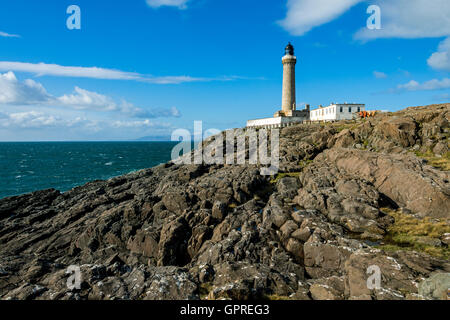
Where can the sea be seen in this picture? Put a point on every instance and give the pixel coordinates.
(30, 166)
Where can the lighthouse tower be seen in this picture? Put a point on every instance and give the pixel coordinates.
(289, 62)
(288, 115)
(288, 103)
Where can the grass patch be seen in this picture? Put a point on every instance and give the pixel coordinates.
(410, 233)
(338, 126)
(441, 163)
(341, 128)
(302, 164)
(280, 176)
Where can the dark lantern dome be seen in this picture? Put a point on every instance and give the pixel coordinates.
(289, 49)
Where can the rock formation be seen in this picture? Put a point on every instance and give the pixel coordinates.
(349, 195)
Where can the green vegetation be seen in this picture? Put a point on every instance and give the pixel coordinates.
(280, 176)
(302, 164)
(410, 233)
(441, 163)
(351, 126)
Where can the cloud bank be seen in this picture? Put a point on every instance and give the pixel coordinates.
(41, 120)
(30, 92)
(434, 84)
(44, 69)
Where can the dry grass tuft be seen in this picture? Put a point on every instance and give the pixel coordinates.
(411, 233)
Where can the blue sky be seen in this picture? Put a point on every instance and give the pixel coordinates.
(147, 67)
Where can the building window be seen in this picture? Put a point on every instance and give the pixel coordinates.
(359, 109)
(342, 109)
(350, 109)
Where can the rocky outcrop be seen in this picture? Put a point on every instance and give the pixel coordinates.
(317, 230)
(392, 175)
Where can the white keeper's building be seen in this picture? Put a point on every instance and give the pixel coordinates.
(336, 112)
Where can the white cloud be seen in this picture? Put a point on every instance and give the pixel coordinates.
(433, 84)
(31, 119)
(84, 99)
(379, 75)
(43, 69)
(440, 60)
(304, 15)
(88, 100)
(180, 4)
(399, 18)
(12, 91)
(40, 120)
(410, 19)
(8, 35)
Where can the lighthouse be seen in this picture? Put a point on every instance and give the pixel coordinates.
(288, 115)
(288, 101)
(289, 62)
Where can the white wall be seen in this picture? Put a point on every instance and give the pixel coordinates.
(333, 112)
(327, 113)
(278, 121)
(263, 122)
